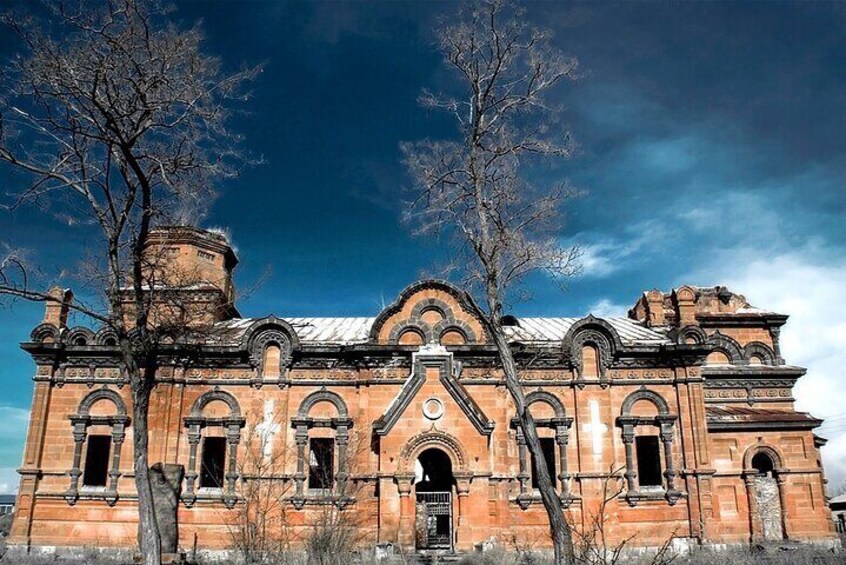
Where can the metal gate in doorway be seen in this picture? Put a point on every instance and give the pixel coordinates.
(433, 523)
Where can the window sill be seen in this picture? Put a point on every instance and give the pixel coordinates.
(92, 493)
(527, 499)
(648, 494)
(315, 498)
(211, 495)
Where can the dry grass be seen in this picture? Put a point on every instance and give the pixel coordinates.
(786, 555)
(794, 555)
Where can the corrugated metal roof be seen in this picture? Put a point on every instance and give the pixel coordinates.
(347, 331)
(332, 330)
(554, 329)
(748, 414)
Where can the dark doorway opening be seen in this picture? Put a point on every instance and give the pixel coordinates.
(548, 449)
(97, 461)
(648, 461)
(214, 458)
(433, 524)
(767, 497)
(763, 464)
(321, 464)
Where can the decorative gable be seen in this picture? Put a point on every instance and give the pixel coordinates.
(433, 356)
(428, 312)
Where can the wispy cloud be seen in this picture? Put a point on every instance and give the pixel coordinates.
(604, 255)
(606, 308)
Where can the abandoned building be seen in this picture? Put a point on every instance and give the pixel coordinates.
(681, 415)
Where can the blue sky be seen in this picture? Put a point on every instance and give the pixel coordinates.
(711, 149)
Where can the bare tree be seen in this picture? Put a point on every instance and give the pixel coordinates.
(475, 189)
(259, 525)
(593, 546)
(119, 120)
(335, 525)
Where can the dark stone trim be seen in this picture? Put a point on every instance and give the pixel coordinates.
(727, 345)
(730, 320)
(409, 291)
(412, 386)
(723, 426)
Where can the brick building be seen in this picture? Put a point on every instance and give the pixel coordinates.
(403, 420)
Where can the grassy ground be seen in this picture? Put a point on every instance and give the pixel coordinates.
(795, 555)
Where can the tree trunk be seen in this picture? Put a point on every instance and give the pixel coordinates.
(148, 531)
(562, 538)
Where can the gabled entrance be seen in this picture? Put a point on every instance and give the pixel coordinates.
(433, 488)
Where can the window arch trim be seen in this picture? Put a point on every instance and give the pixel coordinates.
(196, 423)
(341, 426)
(727, 345)
(665, 422)
(80, 423)
(561, 424)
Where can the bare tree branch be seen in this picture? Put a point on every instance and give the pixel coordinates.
(474, 190)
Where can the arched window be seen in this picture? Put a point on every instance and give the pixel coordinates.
(590, 361)
(322, 435)
(452, 336)
(99, 428)
(214, 433)
(592, 344)
(717, 358)
(411, 337)
(553, 428)
(271, 360)
(648, 432)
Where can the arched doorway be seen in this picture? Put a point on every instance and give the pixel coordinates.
(433, 488)
(767, 497)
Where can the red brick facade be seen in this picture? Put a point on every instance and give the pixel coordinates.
(687, 404)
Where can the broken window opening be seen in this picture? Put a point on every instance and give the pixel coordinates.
(213, 461)
(648, 461)
(548, 448)
(97, 461)
(321, 464)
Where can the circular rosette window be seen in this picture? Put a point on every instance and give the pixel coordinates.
(433, 409)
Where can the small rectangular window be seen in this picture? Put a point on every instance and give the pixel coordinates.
(321, 463)
(213, 462)
(205, 255)
(548, 448)
(97, 461)
(648, 461)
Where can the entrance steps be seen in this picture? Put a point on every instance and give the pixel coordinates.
(437, 556)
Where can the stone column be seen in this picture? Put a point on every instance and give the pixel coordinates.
(407, 508)
(562, 438)
(191, 475)
(342, 439)
(301, 437)
(233, 439)
(666, 424)
(628, 443)
(524, 498)
(464, 522)
(80, 432)
(114, 473)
